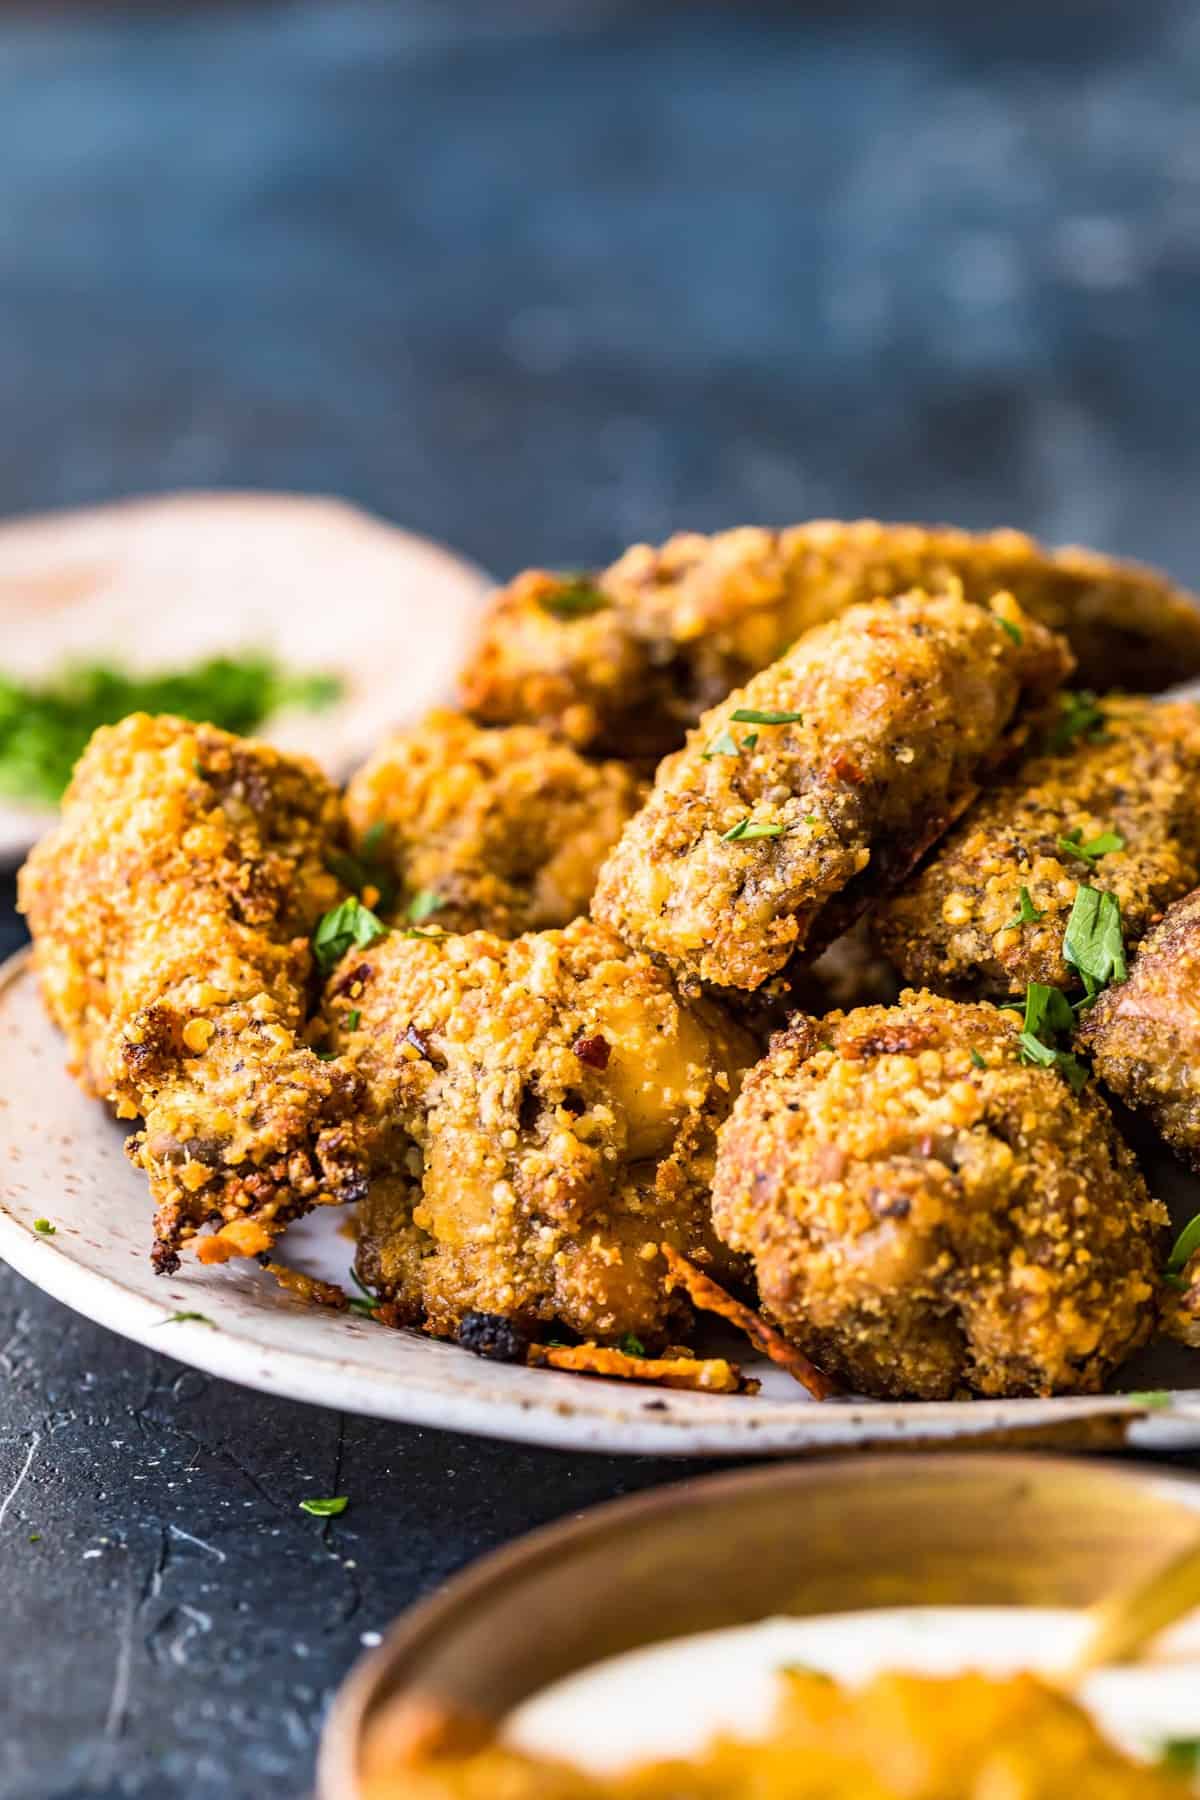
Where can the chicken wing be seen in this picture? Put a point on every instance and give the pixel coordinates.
(1144, 1033)
(171, 912)
(1117, 809)
(497, 830)
(542, 1114)
(927, 1214)
(815, 788)
(629, 659)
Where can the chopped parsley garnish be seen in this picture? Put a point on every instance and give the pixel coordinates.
(414, 931)
(346, 925)
(423, 905)
(183, 1318)
(632, 1345)
(1182, 1754)
(1027, 913)
(368, 1305)
(722, 745)
(574, 599)
(325, 1055)
(1079, 716)
(45, 726)
(369, 868)
(1154, 1400)
(977, 1059)
(352, 1019)
(326, 1509)
(749, 715)
(749, 741)
(1094, 849)
(45, 1227)
(1014, 631)
(1184, 1248)
(1048, 1016)
(751, 828)
(1093, 943)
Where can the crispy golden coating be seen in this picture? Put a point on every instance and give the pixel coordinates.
(760, 840)
(676, 628)
(924, 1225)
(898, 1737)
(170, 913)
(1144, 1034)
(542, 1113)
(956, 925)
(506, 828)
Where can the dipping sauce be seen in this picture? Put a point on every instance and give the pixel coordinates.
(671, 1699)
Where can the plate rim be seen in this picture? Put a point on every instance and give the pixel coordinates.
(577, 1412)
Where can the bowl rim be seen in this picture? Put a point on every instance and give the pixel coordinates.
(509, 1564)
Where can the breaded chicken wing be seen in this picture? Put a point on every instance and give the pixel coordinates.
(927, 1214)
(170, 913)
(542, 1114)
(497, 830)
(814, 789)
(988, 911)
(629, 659)
(1144, 1034)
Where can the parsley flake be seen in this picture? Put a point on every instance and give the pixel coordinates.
(722, 745)
(1093, 942)
(422, 906)
(1182, 1754)
(751, 828)
(1079, 717)
(1094, 849)
(632, 1345)
(750, 715)
(1014, 631)
(574, 598)
(352, 1019)
(1027, 913)
(183, 1318)
(1184, 1247)
(346, 925)
(45, 1227)
(976, 1059)
(1154, 1400)
(326, 1509)
(1048, 1015)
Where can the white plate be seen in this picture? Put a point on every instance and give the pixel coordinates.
(61, 1159)
(156, 584)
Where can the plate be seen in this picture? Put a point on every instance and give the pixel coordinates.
(162, 583)
(61, 1159)
(841, 1536)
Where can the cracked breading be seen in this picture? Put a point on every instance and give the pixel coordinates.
(955, 925)
(738, 862)
(506, 829)
(1144, 1034)
(542, 1113)
(170, 913)
(922, 1225)
(679, 626)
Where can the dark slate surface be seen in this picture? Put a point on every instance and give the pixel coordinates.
(539, 279)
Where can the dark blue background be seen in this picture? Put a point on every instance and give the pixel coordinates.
(538, 280)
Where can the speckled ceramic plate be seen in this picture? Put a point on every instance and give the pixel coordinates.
(163, 583)
(61, 1160)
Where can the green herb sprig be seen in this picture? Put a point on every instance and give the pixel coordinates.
(575, 598)
(326, 1509)
(750, 715)
(1093, 943)
(748, 828)
(1078, 717)
(1094, 849)
(343, 926)
(1027, 913)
